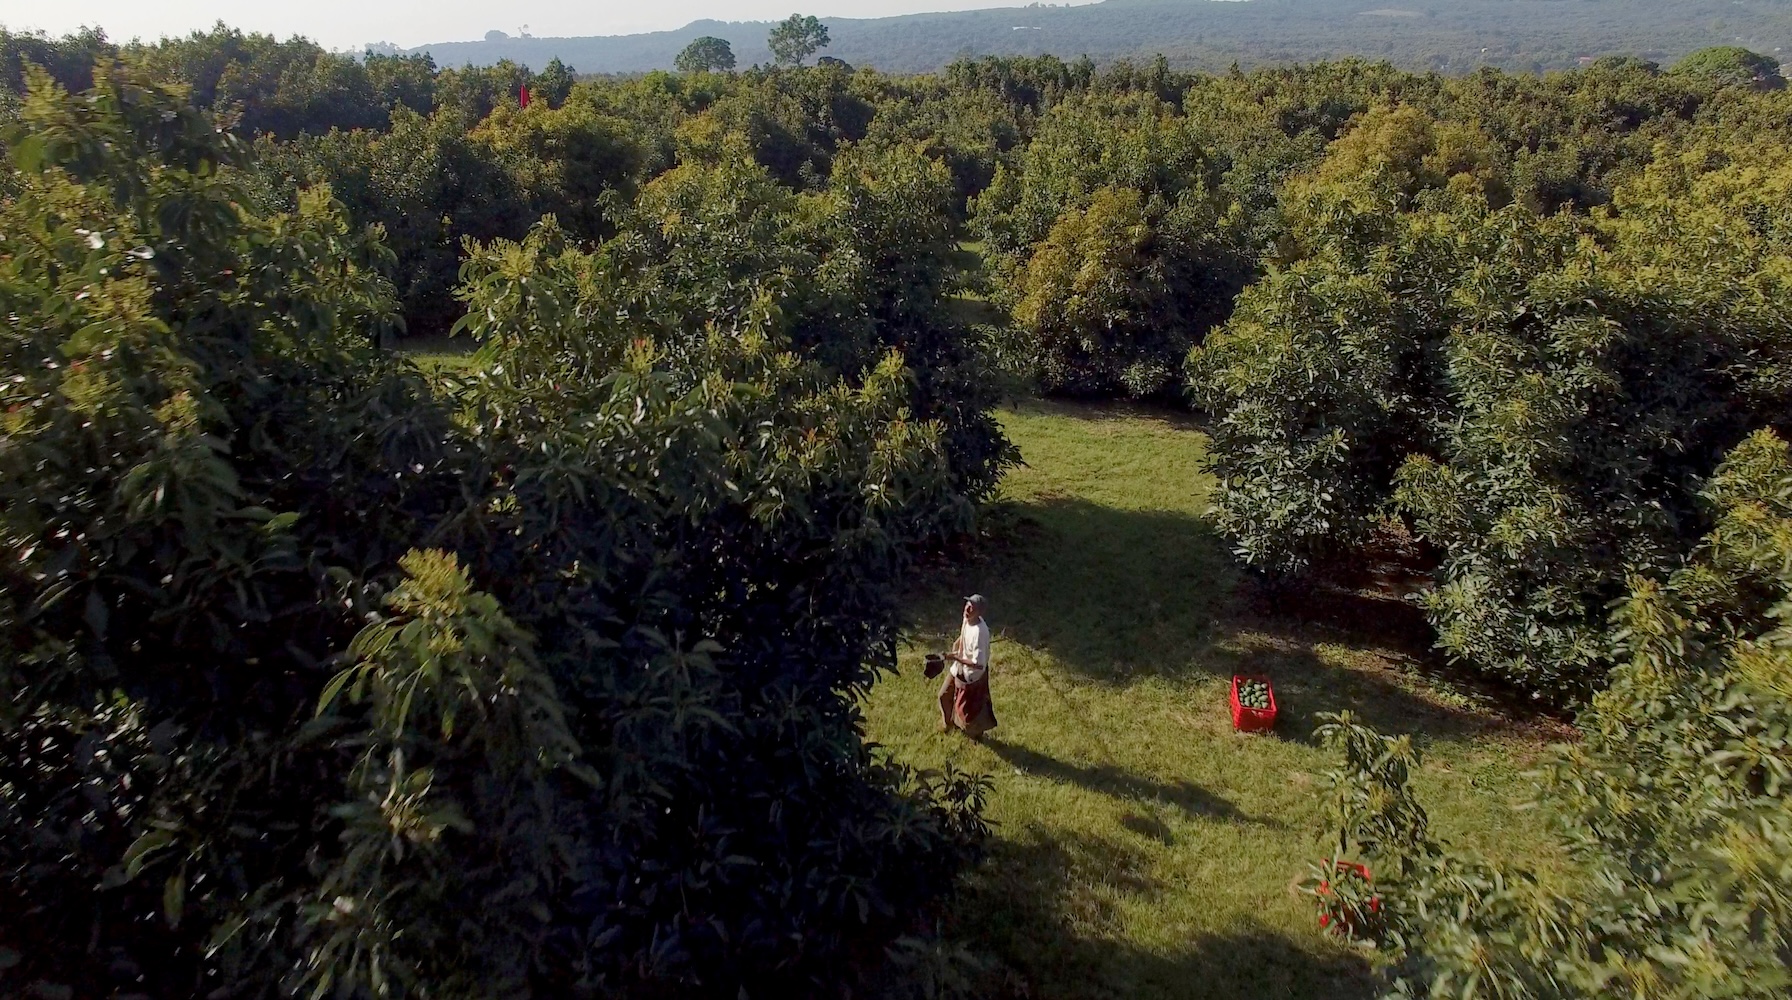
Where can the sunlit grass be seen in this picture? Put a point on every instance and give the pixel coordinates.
(1143, 849)
(439, 354)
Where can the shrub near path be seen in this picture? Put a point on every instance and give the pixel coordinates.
(1142, 848)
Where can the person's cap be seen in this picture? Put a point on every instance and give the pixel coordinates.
(978, 599)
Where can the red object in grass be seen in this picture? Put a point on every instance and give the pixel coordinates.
(1253, 720)
(1345, 924)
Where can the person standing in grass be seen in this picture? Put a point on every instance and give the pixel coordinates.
(964, 696)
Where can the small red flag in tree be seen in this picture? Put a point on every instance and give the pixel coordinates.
(525, 96)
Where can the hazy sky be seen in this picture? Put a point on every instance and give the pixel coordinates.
(352, 23)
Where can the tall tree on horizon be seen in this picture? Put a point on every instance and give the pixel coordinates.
(797, 38)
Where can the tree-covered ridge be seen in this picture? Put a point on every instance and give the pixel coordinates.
(1452, 36)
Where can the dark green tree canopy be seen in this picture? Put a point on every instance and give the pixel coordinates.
(708, 54)
(1733, 64)
(518, 686)
(797, 38)
(554, 83)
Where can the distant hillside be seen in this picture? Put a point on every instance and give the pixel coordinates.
(1448, 35)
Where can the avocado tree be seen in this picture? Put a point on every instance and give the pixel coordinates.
(1676, 803)
(1111, 244)
(1096, 301)
(554, 83)
(797, 38)
(708, 54)
(1732, 64)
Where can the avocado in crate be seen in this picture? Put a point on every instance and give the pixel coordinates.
(1253, 704)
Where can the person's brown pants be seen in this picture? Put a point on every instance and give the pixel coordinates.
(967, 706)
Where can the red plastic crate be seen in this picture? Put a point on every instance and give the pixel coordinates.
(1345, 925)
(1252, 720)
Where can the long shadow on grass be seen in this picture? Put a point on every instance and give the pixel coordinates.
(1115, 595)
(1111, 593)
(1053, 910)
(1107, 779)
(1113, 410)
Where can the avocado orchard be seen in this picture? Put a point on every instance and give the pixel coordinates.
(540, 676)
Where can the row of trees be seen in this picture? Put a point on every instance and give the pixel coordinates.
(1674, 804)
(1551, 134)
(284, 88)
(1222, 168)
(317, 675)
(1539, 397)
(463, 160)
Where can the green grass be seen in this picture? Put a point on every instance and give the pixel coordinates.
(971, 304)
(1142, 848)
(440, 354)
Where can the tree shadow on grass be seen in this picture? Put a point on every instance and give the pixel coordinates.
(1190, 798)
(1112, 593)
(1306, 687)
(1117, 595)
(1050, 908)
(1109, 410)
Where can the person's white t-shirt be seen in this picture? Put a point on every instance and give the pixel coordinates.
(973, 645)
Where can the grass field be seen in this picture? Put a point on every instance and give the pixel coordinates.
(1142, 848)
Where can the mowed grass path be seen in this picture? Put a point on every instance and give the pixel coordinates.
(1142, 848)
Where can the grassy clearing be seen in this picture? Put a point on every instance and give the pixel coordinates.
(971, 303)
(440, 354)
(1144, 849)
